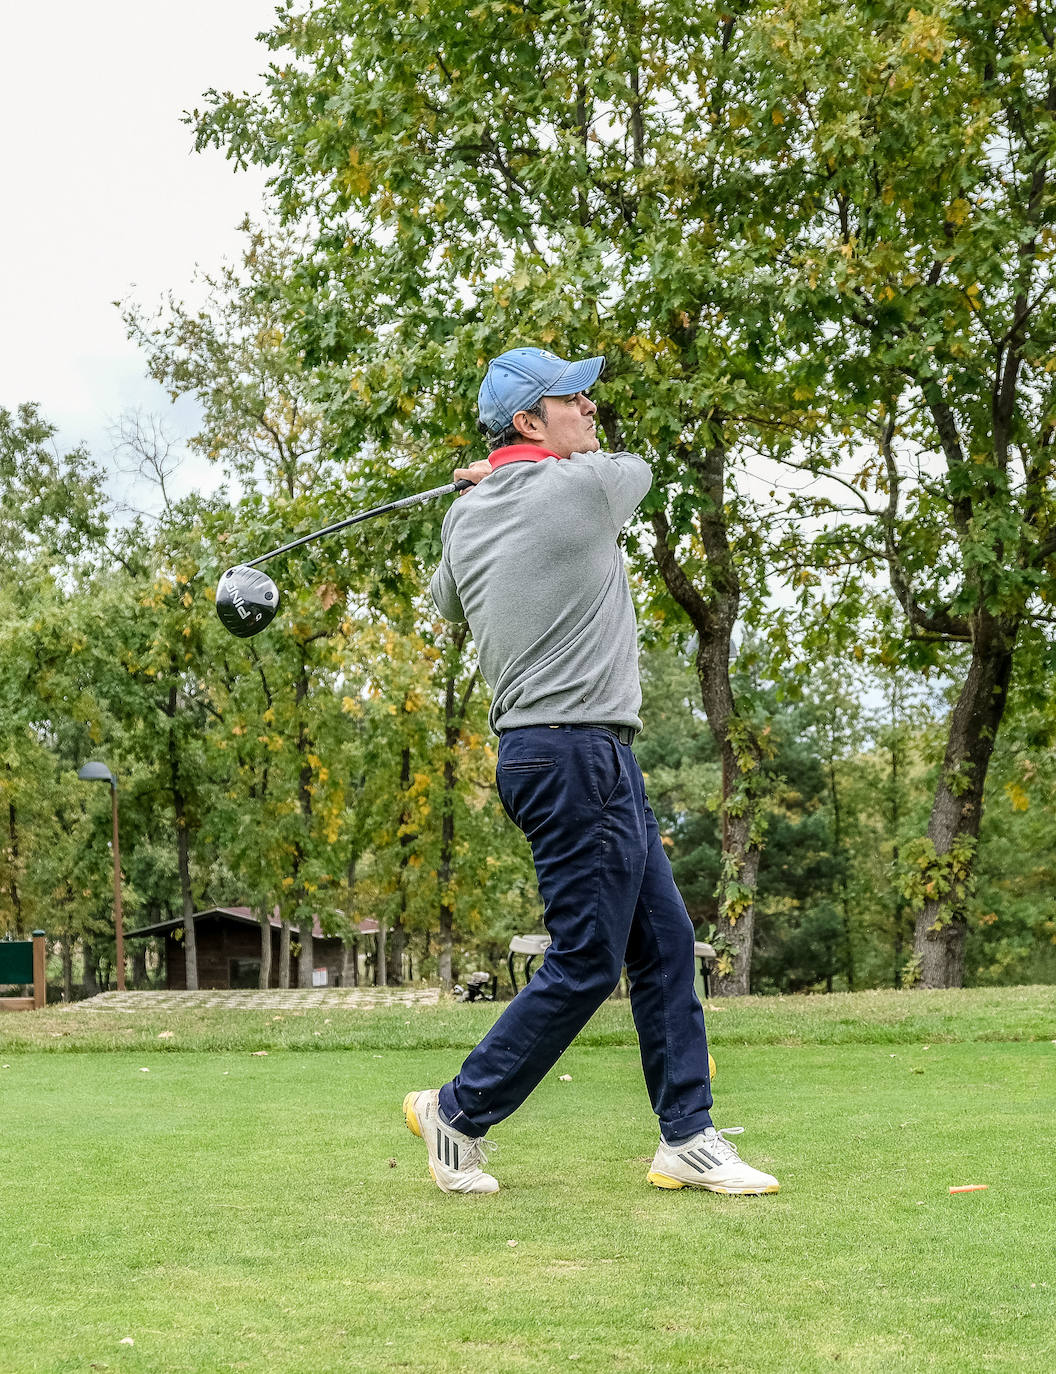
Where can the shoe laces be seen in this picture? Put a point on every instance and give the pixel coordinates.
(477, 1155)
(718, 1144)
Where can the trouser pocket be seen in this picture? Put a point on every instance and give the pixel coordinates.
(606, 765)
(514, 777)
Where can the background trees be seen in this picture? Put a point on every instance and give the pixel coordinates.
(814, 245)
(913, 155)
(475, 185)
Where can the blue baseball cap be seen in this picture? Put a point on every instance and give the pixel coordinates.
(518, 378)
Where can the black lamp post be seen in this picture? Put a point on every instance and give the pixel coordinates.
(98, 772)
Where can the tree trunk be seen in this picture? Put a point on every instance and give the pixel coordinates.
(713, 613)
(444, 966)
(898, 915)
(16, 900)
(845, 903)
(443, 873)
(183, 857)
(350, 966)
(394, 948)
(381, 959)
(284, 954)
(190, 944)
(453, 718)
(67, 968)
(957, 810)
(350, 959)
(264, 981)
(139, 967)
(736, 917)
(397, 941)
(91, 972)
(306, 958)
(741, 770)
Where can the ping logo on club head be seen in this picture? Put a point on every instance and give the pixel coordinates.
(239, 603)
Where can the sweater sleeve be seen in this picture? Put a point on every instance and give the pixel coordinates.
(445, 593)
(625, 478)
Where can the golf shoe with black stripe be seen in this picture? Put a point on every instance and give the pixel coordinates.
(708, 1160)
(454, 1158)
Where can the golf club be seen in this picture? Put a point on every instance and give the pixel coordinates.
(247, 600)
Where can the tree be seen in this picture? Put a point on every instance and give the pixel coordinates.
(51, 518)
(804, 935)
(521, 179)
(904, 163)
(51, 504)
(355, 632)
(1012, 919)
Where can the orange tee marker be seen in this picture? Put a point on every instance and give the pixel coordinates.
(971, 1188)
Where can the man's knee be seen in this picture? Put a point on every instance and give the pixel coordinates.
(605, 974)
(665, 941)
(593, 973)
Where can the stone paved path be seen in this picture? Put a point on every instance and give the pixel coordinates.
(254, 999)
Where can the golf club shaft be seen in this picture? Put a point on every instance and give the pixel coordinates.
(363, 515)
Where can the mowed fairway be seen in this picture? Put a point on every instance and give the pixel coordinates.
(271, 1213)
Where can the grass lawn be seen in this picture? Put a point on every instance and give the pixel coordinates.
(271, 1213)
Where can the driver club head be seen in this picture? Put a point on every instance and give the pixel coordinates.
(246, 601)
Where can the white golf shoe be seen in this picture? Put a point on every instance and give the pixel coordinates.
(454, 1159)
(708, 1160)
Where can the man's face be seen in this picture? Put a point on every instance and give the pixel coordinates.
(569, 425)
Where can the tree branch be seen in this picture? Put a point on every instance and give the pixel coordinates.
(676, 580)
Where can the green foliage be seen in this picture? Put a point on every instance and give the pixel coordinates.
(790, 229)
(927, 875)
(814, 244)
(50, 503)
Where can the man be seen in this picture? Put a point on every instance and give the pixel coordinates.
(531, 560)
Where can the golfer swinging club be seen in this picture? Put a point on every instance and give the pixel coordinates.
(531, 561)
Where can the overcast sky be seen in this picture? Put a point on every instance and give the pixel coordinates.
(105, 196)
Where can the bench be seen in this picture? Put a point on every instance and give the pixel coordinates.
(706, 954)
(533, 946)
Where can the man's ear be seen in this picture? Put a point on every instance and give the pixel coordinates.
(528, 425)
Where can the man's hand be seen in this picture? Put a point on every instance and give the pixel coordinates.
(476, 472)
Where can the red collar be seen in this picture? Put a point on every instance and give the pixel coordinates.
(520, 453)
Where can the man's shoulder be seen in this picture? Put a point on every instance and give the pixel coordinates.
(615, 470)
(605, 459)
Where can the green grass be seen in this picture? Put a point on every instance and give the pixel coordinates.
(895, 1018)
(271, 1213)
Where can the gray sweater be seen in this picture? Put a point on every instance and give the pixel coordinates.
(531, 561)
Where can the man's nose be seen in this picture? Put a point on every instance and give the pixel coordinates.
(587, 406)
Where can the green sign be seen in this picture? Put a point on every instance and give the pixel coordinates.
(16, 961)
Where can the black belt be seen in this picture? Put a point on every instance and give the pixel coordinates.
(624, 733)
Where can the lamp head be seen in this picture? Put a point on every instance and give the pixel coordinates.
(96, 772)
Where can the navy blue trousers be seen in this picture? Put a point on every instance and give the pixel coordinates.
(609, 899)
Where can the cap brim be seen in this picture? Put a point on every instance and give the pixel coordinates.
(576, 377)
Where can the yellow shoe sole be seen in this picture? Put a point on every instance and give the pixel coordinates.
(409, 1115)
(414, 1125)
(664, 1181)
